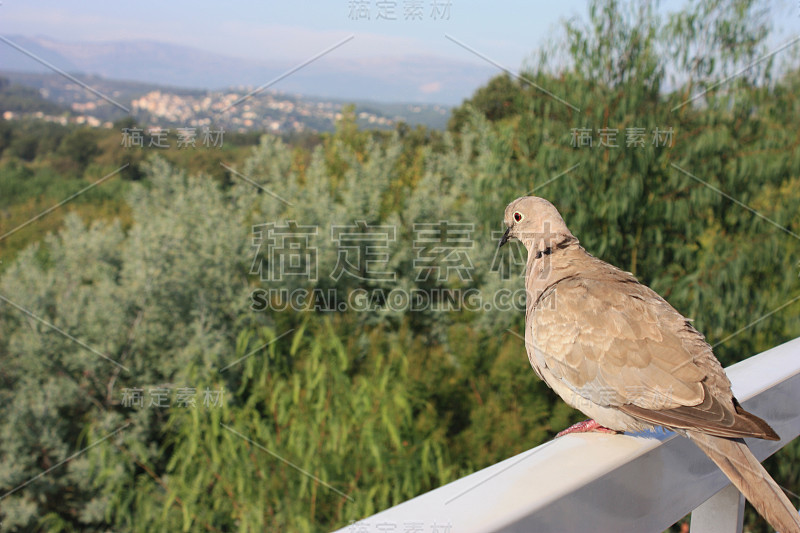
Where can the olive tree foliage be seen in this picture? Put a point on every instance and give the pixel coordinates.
(96, 310)
(367, 196)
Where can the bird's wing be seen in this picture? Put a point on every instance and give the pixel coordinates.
(618, 344)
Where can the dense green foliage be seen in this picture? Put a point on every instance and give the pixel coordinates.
(21, 99)
(42, 163)
(381, 405)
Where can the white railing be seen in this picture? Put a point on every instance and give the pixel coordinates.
(600, 482)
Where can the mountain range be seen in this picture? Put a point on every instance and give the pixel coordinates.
(410, 79)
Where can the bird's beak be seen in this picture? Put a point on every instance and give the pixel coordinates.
(505, 237)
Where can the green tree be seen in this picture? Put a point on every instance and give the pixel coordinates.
(499, 99)
(80, 146)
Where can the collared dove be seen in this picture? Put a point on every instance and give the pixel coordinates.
(617, 351)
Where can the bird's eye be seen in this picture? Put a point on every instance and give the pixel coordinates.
(518, 216)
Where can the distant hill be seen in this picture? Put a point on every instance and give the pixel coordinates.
(18, 98)
(62, 91)
(163, 106)
(427, 79)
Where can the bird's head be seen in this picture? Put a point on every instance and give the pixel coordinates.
(536, 223)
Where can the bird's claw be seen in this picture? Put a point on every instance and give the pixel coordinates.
(585, 427)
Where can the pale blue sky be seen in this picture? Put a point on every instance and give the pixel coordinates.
(292, 31)
(295, 30)
(507, 31)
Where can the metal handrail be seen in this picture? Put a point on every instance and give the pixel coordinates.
(600, 482)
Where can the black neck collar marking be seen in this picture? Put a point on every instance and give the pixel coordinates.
(560, 245)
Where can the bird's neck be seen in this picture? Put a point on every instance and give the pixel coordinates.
(550, 262)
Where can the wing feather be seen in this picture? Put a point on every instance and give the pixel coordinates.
(617, 343)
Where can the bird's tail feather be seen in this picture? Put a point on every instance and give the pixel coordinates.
(736, 460)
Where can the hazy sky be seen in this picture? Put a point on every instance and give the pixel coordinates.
(295, 30)
(292, 31)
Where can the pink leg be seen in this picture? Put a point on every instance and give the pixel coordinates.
(585, 427)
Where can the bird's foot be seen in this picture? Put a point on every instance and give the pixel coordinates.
(585, 427)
